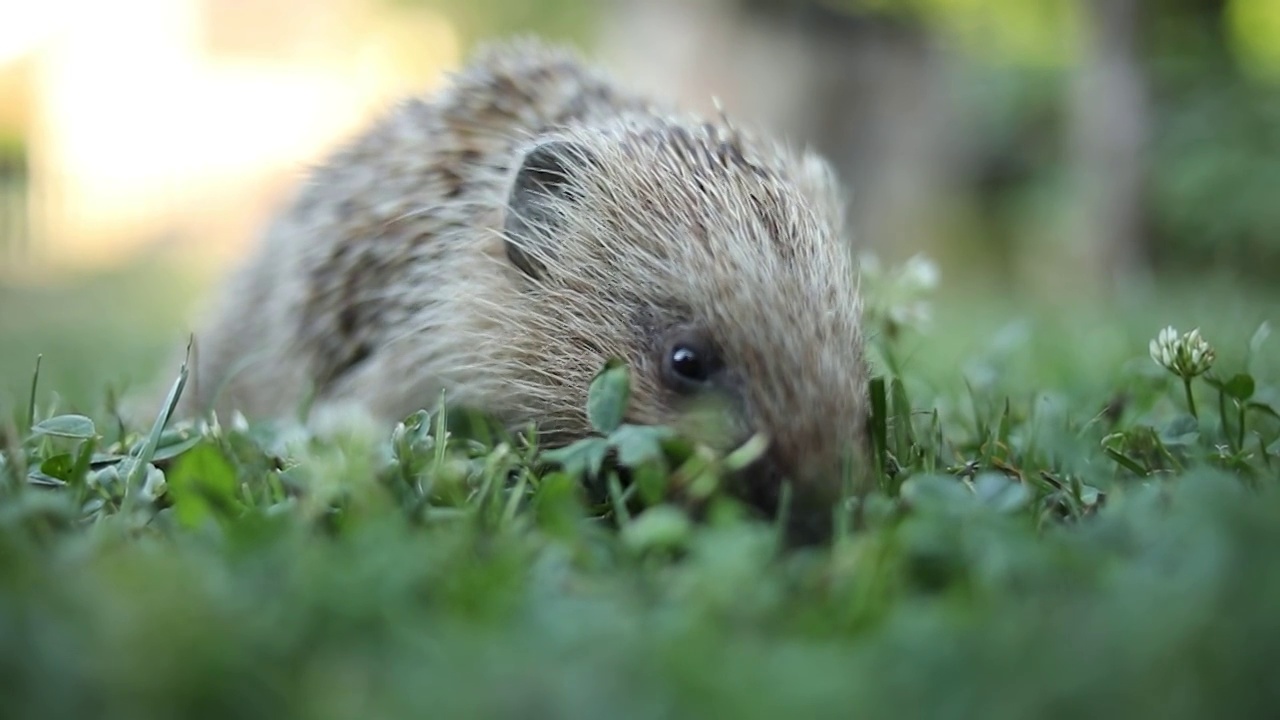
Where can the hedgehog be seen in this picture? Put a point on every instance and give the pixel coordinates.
(498, 241)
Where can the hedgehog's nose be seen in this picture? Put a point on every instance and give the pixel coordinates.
(809, 519)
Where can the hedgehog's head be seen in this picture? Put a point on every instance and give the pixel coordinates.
(718, 271)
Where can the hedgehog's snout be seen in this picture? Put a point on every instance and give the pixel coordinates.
(809, 514)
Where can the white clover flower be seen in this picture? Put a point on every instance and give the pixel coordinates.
(910, 313)
(104, 478)
(920, 273)
(209, 427)
(898, 297)
(1186, 356)
(154, 485)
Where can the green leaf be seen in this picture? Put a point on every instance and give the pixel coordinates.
(1240, 386)
(84, 461)
(1183, 430)
(139, 460)
(1091, 495)
(59, 466)
(556, 506)
(1000, 493)
(1132, 466)
(166, 452)
(608, 396)
(936, 492)
(750, 451)
(31, 400)
(585, 456)
(202, 482)
(39, 512)
(75, 427)
(638, 444)
(1264, 408)
(678, 449)
(1002, 431)
(878, 509)
(699, 475)
(419, 426)
(661, 527)
(902, 430)
(879, 420)
(38, 477)
(651, 481)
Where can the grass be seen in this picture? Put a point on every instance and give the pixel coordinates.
(1052, 535)
(106, 330)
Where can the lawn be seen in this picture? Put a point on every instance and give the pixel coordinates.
(96, 331)
(1053, 535)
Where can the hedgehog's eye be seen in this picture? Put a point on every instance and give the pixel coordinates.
(688, 365)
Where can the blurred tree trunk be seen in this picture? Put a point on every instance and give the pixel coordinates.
(861, 88)
(874, 110)
(1110, 126)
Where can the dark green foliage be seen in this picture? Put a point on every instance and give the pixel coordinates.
(1019, 557)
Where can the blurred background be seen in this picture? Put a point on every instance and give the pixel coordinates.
(1045, 153)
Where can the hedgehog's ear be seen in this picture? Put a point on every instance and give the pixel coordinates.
(545, 177)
